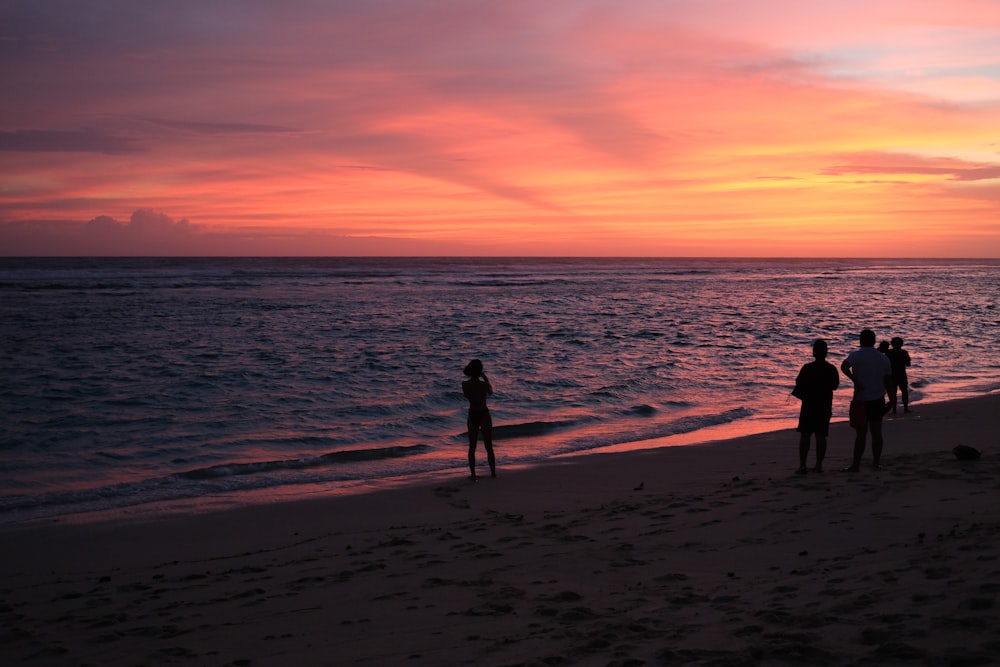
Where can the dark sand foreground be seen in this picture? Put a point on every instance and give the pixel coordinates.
(698, 555)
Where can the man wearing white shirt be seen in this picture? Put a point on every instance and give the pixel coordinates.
(871, 373)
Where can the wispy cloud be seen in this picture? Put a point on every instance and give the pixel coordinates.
(218, 127)
(901, 164)
(66, 141)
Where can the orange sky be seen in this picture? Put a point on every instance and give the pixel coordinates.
(472, 127)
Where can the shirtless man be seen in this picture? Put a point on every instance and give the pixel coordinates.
(814, 386)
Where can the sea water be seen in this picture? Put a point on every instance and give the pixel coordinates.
(131, 384)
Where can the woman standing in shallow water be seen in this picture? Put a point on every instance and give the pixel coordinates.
(477, 388)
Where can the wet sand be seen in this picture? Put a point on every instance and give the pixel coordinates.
(713, 554)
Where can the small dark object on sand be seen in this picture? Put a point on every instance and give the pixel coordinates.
(966, 453)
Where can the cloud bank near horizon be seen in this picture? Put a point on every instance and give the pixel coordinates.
(149, 233)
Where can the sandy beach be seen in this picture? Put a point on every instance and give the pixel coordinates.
(714, 554)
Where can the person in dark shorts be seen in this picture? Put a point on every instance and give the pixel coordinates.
(871, 373)
(477, 388)
(899, 359)
(814, 386)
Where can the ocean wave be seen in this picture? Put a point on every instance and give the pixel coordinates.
(689, 424)
(332, 458)
(190, 484)
(496, 283)
(533, 429)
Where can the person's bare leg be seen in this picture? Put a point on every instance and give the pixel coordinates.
(473, 436)
(859, 450)
(876, 427)
(820, 451)
(488, 443)
(492, 459)
(803, 452)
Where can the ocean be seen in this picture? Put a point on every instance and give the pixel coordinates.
(140, 386)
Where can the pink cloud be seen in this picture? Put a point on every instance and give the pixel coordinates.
(65, 141)
(894, 163)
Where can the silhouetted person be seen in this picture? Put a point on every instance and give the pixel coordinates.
(814, 386)
(477, 388)
(871, 373)
(899, 359)
(883, 347)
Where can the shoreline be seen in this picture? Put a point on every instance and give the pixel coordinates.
(724, 437)
(306, 492)
(713, 553)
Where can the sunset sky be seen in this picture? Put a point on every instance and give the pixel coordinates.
(847, 128)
